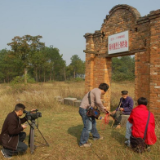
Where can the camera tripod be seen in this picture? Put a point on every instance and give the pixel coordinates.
(31, 137)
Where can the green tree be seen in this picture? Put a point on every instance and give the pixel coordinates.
(48, 64)
(123, 68)
(23, 49)
(9, 67)
(77, 66)
(56, 63)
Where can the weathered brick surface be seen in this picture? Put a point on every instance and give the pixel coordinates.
(144, 42)
(155, 62)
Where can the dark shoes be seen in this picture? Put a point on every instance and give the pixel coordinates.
(5, 155)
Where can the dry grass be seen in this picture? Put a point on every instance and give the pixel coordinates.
(61, 125)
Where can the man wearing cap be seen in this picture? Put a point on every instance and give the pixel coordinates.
(124, 108)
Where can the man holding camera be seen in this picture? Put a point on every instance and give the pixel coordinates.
(12, 136)
(90, 122)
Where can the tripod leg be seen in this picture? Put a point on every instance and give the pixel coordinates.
(43, 137)
(32, 138)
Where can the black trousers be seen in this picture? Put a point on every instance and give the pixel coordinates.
(21, 148)
(117, 116)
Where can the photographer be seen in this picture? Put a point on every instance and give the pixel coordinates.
(12, 136)
(89, 122)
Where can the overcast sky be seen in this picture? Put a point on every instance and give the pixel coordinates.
(62, 23)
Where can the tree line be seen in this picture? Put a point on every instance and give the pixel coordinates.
(29, 60)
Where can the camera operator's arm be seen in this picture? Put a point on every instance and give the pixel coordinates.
(23, 120)
(13, 128)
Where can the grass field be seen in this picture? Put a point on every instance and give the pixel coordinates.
(61, 125)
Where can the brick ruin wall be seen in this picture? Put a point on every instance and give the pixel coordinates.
(144, 43)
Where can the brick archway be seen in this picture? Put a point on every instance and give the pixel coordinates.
(144, 43)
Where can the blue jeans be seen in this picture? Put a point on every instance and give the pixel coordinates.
(128, 132)
(89, 126)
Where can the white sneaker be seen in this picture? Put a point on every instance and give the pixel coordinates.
(5, 155)
(86, 145)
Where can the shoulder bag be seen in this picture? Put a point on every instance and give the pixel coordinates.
(92, 111)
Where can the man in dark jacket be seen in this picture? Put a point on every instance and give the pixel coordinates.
(12, 136)
(125, 107)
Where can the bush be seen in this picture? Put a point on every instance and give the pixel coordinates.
(17, 80)
(20, 79)
(78, 79)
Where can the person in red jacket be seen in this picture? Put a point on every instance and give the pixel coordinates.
(137, 122)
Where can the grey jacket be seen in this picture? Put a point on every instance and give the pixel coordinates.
(95, 95)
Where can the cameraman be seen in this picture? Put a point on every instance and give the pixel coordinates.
(12, 136)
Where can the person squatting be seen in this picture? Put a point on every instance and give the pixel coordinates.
(136, 124)
(12, 135)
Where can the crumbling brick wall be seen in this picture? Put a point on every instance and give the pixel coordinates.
(144, 43)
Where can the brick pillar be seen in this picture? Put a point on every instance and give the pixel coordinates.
(107, 79)
(142, 75)
(155, 65)
(102, 74)
(89, 63)
(89, 72)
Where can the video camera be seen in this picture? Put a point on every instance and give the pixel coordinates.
(32, 115)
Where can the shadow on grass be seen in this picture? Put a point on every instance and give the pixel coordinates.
(118, 136)
(76, 131)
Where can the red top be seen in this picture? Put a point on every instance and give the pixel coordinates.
(138, 118)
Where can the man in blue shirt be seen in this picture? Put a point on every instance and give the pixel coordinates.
(125, 107)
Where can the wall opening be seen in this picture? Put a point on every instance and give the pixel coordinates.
(122, 78)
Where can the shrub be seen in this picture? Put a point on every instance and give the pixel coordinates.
(20, 79)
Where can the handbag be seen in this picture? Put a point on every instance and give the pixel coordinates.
(92, 111)
(138, 144)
